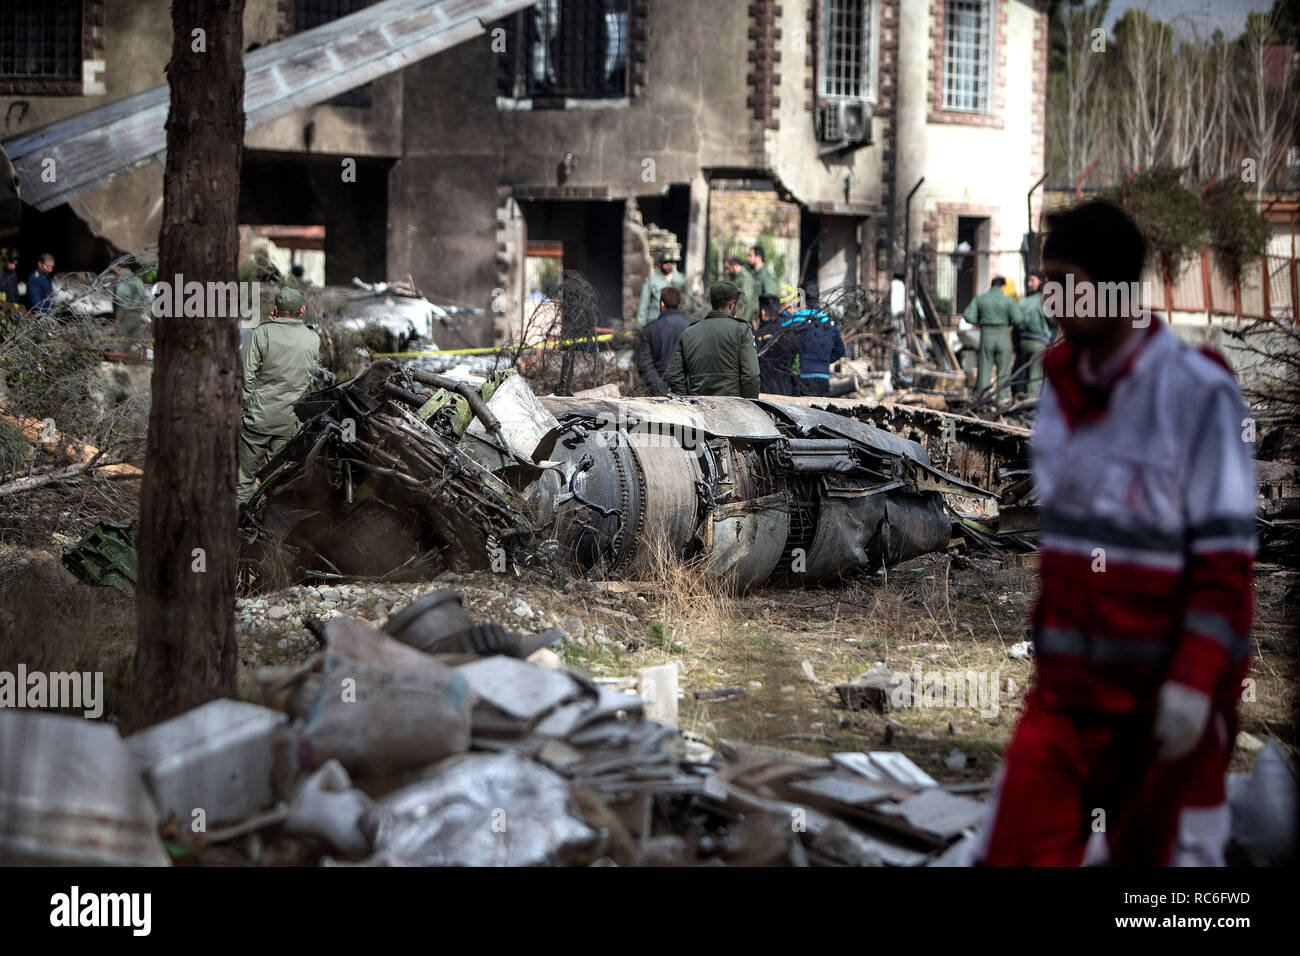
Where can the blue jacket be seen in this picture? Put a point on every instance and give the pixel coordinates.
(39, 288)
(819, 343)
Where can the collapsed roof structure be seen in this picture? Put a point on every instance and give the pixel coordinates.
(93, 147)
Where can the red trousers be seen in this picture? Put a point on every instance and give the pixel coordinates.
(1067, 776)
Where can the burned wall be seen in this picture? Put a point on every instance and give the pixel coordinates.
(592, 234)
(280, 189)
(847, 182)
(688, 114)
(128, 48)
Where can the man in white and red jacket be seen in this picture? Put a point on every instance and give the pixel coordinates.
(1142, 458)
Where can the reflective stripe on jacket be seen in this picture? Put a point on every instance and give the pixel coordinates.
(1147, 529)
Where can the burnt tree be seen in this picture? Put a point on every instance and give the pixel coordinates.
(187, 546)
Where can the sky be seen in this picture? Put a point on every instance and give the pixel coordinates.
(1229, 15)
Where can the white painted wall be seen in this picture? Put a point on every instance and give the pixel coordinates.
(969, 164)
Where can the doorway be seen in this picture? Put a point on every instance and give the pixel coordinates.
(588, 235)
(972, 235)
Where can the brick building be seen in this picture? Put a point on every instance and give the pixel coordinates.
(563, 132)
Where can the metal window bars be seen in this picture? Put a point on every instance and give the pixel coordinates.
(570, 48)
(967, 55)
(845, 69)
(40, 39)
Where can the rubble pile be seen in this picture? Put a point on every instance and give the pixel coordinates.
(443, 741)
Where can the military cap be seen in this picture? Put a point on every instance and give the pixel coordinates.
(288, 301)
(723, 290)
(667, 256)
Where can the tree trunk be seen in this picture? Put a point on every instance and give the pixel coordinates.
(185, 599)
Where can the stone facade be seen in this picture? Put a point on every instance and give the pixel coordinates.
(938, 114)
(460, 179)
(1001, 151)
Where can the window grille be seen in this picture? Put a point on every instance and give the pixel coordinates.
(40, 40)
(568, 48)
(846, 60)
(967, 56)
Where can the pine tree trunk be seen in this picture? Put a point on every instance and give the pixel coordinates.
(187, 544)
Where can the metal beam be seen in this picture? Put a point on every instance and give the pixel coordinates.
(90, 149)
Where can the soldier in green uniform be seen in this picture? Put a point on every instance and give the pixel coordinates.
(280, 358)
(655, 283)
(717, 355)
(130, 303)
(757, 280)
(764, 278)
(733, 270)
(1037, 329)
(994, 312)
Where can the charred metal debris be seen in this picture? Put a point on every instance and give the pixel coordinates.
(400, 471)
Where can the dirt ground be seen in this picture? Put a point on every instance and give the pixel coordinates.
(946, 614)
(782, 650)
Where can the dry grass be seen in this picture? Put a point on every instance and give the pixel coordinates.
(939, 614)
(911, 618)
(50, 621)
(1274, 657)
(936, 613)
(689, 595)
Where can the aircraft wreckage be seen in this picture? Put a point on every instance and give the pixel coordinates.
(399, 471)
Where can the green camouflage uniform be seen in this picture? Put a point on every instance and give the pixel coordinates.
(994, 313)
(1036, 331)
(280, 358)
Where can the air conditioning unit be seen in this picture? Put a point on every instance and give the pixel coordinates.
(843, 124)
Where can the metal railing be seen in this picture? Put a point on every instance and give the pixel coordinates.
(954, 278)
(1268, 288)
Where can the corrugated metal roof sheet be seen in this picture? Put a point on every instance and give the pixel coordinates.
(91, 148)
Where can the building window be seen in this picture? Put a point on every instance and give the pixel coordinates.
(847, 52)
(967, 55)
(41, 46)
(560, 49)
(308, 14)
